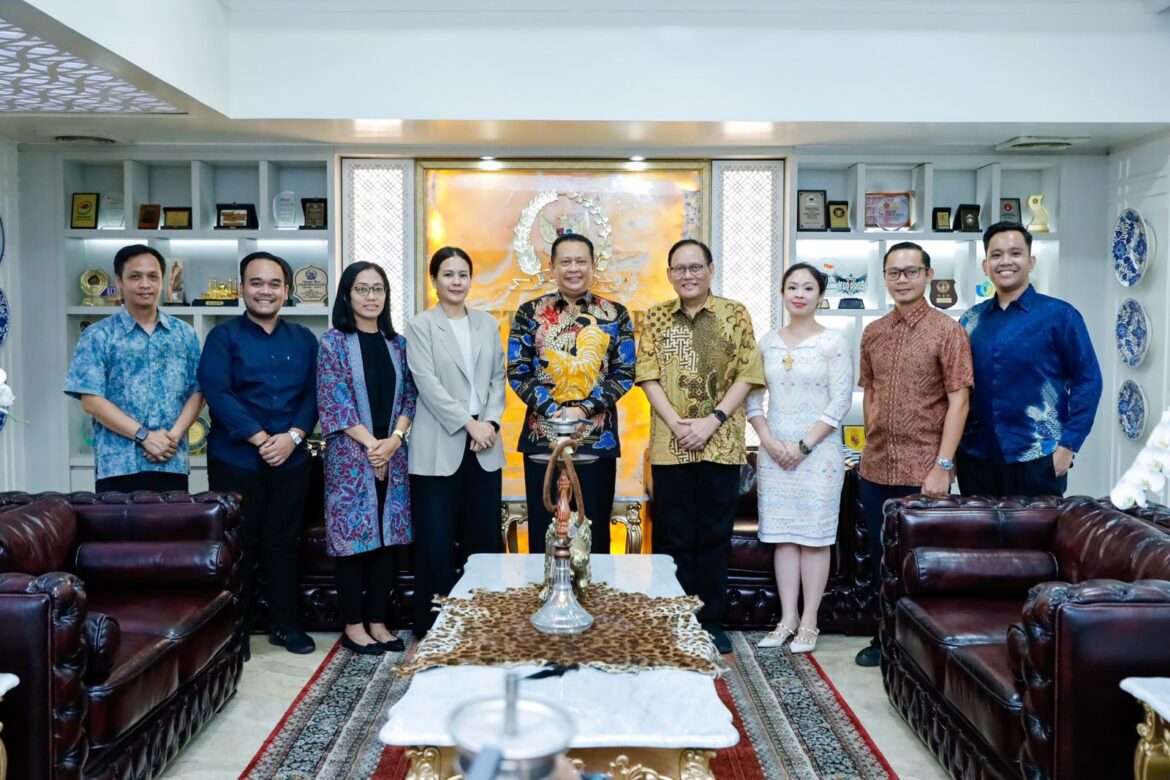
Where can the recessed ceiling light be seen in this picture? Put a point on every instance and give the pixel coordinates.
(487, 157)
(637, 158)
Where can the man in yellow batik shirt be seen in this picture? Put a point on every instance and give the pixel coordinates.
(697, 361)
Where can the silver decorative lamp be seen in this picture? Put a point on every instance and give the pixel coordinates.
(561, 612)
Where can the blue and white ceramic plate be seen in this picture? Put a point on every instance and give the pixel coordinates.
(1132, 332)
(4, 315)
(1131, 247)
(1131, 409)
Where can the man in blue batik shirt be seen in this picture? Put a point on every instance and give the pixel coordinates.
(259, 373)
(1037, 381)
(134, 372)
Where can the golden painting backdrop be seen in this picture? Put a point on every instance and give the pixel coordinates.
(506, 215)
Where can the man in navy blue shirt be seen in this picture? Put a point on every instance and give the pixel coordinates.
(261, 387)
(1037, 381)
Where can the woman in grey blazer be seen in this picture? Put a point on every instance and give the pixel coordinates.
(455, 356)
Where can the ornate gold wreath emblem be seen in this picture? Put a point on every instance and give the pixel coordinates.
(592, 223)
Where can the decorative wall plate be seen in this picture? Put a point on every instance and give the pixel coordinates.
(1131, 409)
(1131, 247)
(1132, 332)
(4, 316)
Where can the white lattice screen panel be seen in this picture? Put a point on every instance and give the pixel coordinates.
(747, 237)
(376, 217)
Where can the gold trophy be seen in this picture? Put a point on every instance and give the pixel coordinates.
(220, 292)
(1039, 223)
(95, 283)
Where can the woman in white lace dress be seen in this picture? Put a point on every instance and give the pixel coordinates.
(809, 370)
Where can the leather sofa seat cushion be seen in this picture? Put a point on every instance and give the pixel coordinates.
(958, 571)
(145, 674)
(179, 616)
(928, 628)
(37, 538)
(154, 564)
(979, 685)
(748, 554)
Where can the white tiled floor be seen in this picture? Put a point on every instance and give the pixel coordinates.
(273, 678)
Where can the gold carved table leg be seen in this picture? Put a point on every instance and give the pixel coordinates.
(431, 763)
(632, 520)
(1151, 760)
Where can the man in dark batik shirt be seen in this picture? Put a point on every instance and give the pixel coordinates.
(571, 354)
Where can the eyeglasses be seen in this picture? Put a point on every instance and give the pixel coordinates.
(365, 290)
(911, 273)
(680, 271)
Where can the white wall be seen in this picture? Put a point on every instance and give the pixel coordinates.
(12, 438)
(1139, 177)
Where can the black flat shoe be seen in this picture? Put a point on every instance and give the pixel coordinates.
(349, 644)
(395, 645)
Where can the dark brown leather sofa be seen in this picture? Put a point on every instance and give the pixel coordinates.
(1007, 625)
(121, 616)
(850, 602)
(849, 606)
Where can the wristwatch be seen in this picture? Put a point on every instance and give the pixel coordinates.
(296, 437)
(400, 434)
(141, 434)
(944, 464)
(720, 415)
(804, 448)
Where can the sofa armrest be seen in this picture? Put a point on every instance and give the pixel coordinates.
(1070, 652)
(42, 643)
(103, 636)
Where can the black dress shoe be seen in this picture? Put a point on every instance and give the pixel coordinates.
(374, 649)
(870, 655)
(720, 638)
(395, 645)
(292, 639)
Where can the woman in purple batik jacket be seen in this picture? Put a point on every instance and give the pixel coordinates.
(366, 399)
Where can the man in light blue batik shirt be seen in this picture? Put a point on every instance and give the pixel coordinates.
(1037, 381)
(134, 372)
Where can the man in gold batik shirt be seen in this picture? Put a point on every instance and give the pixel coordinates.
(697, 361)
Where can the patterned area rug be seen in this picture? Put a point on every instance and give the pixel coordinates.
(792, 722)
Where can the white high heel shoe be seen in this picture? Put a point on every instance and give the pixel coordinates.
(805, 641)
(779, 635)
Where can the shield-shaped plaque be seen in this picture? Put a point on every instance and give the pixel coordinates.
(942, 293)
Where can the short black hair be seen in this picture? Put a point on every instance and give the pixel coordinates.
(906, 245)
(343, 318)
(1006, 227)
(134, 250)
(446, 253)
(566, 237)
(818, 274)
(285, 268)
(690, 242)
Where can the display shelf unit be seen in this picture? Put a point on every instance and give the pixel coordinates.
(945, 182)
(205, 251)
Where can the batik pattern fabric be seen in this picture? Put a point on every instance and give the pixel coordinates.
(696, 361)
(563, 353)
(352, 524)
(809, 383)
(149, 376)
(1037, 380)
(909, 363)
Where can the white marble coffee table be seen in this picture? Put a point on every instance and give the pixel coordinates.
(670, 721)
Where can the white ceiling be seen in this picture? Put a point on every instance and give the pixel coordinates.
(257, 62)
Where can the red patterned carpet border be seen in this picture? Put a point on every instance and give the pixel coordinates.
(792, 722)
